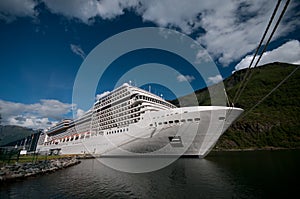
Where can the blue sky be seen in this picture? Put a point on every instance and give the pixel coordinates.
(44, 43)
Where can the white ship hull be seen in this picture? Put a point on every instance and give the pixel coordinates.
(191, 131)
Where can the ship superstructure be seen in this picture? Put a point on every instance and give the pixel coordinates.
(132, 121)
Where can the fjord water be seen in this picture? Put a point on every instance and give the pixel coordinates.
(252, 174)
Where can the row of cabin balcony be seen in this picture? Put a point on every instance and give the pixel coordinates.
(121, 121)
(128, 113)
(120, 113)
(119, 124)
(111, 108)
(118, 117)
(112, 97)
(114, 111)
(65, 135)
(136, 111)
(72, 130)
(158, 101)
(115, 120)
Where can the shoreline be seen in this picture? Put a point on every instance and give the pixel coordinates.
(24, 170)
(254, 149)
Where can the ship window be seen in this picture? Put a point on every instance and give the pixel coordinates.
(189, 120)
(197, 119)
(81, 137)
(176, 121)
(159, 123)
(72, 139)
(170, 122)
(185, 111)
(76, 138)
(165, 122)
(151, 124)
(183, 120)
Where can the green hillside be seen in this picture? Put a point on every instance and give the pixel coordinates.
(275, 122)
(10, 133)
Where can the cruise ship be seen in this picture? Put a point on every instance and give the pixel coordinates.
(130, 121)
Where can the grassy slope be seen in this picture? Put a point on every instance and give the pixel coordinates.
(275, 122)
(10, 133)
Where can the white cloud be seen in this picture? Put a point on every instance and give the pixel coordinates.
(79, 113)
(30, 122)
(109, 9)
(172, 13)
(77, 50)
(288, 52)
(80, 9)
(202, 57)
(215, 79)
(38, 115)
(98, 96)
(10, 9)
(185, 78)
(231, 33)
(232, 28)
(86, 10)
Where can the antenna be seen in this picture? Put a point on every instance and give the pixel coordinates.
(130, 82)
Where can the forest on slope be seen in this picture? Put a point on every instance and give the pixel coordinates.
(274, 123)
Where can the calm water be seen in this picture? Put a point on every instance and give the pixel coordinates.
(260, 174)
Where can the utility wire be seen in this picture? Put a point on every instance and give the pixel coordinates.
(260, 101)
(238, 93)
(266, 45)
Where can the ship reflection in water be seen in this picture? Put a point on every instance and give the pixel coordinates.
(223, 175)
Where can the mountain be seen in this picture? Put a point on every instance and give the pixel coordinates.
(274, 123)
(10, 133)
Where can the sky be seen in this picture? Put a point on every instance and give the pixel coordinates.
(44, 43)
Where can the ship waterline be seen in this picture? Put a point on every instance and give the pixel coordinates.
(132, 122)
